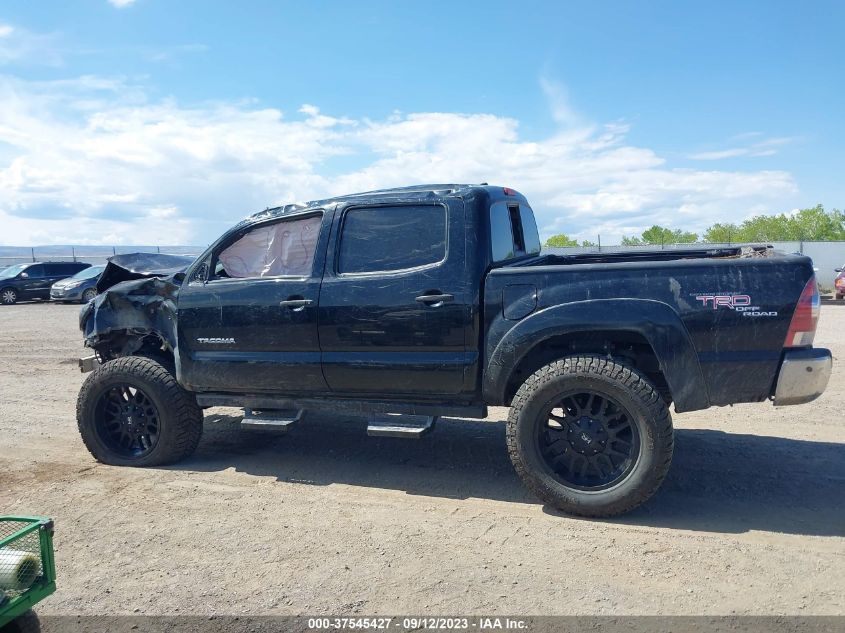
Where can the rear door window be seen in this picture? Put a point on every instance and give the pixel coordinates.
(391, 238)
(56, 270)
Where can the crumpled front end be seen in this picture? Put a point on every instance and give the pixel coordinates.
(123, 316)
(136, 305)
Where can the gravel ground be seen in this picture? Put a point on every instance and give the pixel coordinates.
(751, 519)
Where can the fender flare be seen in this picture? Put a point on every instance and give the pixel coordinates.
(655, 321)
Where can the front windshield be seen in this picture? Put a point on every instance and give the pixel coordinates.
(12, 271)
(93, 271)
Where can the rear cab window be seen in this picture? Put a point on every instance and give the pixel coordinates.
(513, 231)
(392, 238)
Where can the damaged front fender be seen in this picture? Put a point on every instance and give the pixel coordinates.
(132, 310)
(137, 300)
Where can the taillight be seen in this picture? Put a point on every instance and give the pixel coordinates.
(802, 328)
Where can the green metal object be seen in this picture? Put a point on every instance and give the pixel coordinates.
(27, 565)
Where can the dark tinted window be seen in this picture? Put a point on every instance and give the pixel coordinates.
(513, 231)
(516, 228)
(35, 271)
(392, 238)
(529, 230)
(63, 268)
(501, 237)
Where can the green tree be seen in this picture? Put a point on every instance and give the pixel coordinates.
(722, 233)
(588, 243)
(561, 240)
(809, 224)
(661, 235)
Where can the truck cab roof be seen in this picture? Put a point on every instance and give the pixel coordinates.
(409, 193)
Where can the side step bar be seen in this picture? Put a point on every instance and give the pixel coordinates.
(397, 425)
(340, 405)
(278, 419)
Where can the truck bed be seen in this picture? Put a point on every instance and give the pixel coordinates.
(733, 305)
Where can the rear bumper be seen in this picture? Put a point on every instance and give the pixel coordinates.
(803, 376)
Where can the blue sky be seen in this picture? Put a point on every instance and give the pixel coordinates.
(147, 120)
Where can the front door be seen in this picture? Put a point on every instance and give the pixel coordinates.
(394, 306)
(35, 284)
(251, 326)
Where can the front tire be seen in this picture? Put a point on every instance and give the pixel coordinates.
(88, 295)
(590, 436)
(132, 412)
(8, 296)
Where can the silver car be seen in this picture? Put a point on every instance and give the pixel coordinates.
(81, 287)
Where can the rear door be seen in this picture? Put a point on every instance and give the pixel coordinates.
(250, 323)
(56, 272)
(394, 306)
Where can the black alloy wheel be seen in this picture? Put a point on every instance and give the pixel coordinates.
(588, 440)
(127, 421)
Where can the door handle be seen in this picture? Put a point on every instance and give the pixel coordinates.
(435, 300)
(297, 305)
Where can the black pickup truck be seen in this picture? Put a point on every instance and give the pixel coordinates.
(409, 304)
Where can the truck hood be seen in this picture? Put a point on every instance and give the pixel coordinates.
(141, 266)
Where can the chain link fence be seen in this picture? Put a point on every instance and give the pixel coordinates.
(89, 254)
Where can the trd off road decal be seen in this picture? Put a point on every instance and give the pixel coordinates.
(735, 302)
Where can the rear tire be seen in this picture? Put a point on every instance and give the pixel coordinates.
(8, 296)
(132, 412)
(590, 436)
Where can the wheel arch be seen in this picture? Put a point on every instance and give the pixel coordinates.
(648, 334)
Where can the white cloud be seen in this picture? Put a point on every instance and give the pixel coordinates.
(94, 160)
(121, 3)
(766, 147)
(558, 97)
(25, 48)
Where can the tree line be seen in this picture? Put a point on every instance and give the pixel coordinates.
(812, 224)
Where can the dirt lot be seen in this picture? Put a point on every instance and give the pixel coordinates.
(325, 520)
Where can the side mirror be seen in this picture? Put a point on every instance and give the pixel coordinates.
(837, 270)
(24, 275)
